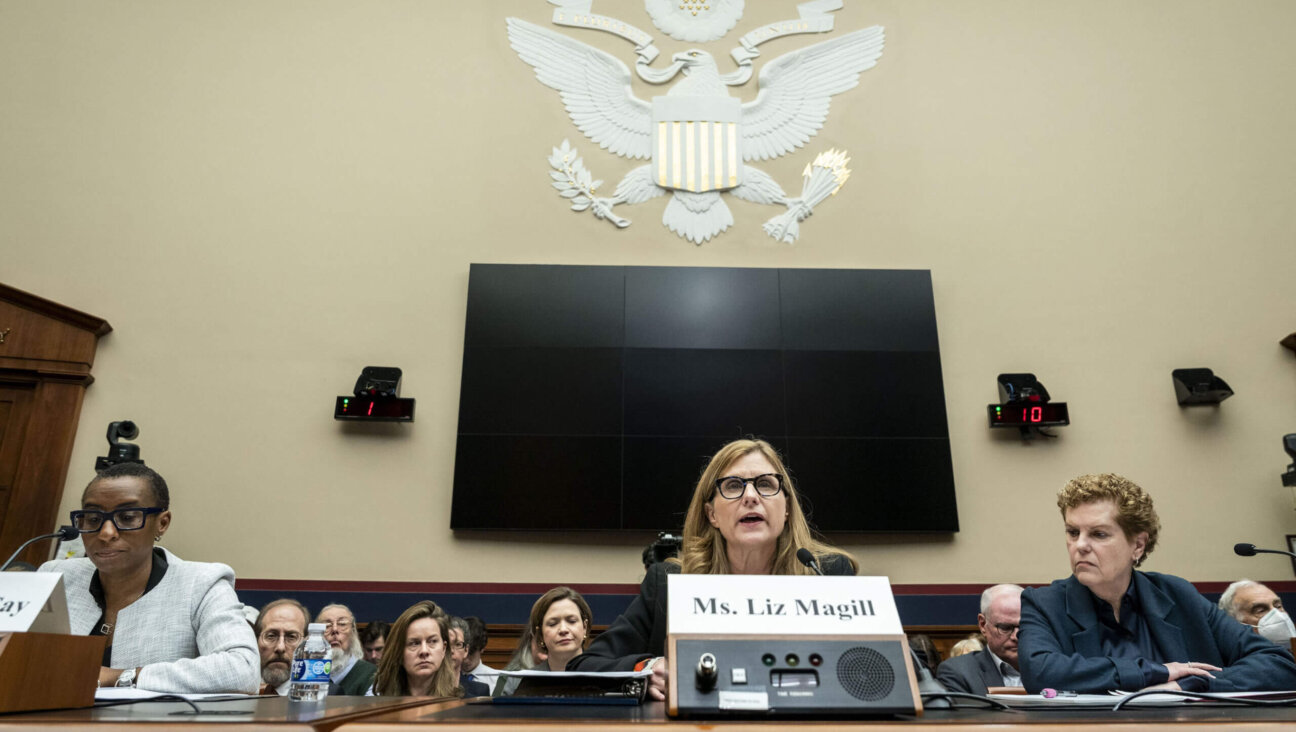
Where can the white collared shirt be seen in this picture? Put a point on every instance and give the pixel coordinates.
(1011, 676)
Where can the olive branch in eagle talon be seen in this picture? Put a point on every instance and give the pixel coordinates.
(574, 182)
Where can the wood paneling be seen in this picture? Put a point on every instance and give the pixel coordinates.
(45, 361)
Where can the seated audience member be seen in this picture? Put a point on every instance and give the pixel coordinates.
(925, 650)
(996, 664)
(414, 662)
(1109, 626)
(372, 639)
(459, 652)
(351, 675)
(127, 590)
(474, 669)
(970, 644)
(745, 518)
(279, 627)
(561, 619)
(525, 657)
(1253, 604)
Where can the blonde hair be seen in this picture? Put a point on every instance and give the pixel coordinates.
(704, 550)
(966, 646)
(391, 679)
(1134, 511)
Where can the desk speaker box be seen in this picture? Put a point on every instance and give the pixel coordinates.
(797, 676)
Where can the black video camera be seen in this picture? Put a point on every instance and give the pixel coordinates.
(120, 452)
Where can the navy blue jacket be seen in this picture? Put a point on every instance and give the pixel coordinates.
(1060, 643)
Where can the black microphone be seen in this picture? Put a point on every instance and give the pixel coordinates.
(806, 558)
(66, 533)
(1249, 550)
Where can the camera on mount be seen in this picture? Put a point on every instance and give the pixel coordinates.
(666, 546)
(120, 452)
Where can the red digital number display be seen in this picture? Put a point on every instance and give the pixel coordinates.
(1051, 414)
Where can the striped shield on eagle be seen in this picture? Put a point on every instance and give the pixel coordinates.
(697, 143)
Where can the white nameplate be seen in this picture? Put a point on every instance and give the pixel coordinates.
(780, 605)
(33, 602)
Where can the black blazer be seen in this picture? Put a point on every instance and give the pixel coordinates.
(641, 632)
(971, 673)
(1060, 644)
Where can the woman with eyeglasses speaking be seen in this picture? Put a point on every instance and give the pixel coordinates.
(745, 518)
(171, 625)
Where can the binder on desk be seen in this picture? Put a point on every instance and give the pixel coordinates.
(574, 687)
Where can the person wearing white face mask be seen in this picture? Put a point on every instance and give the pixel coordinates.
(1251, 603)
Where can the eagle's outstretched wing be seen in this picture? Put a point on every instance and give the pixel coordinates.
(595, 88)
(797, 88)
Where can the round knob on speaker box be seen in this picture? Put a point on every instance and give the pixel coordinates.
(706, 672)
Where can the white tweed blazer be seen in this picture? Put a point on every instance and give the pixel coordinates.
(188, 633)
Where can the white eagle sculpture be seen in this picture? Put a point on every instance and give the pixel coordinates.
(698, 137)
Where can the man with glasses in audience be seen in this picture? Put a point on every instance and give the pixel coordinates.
(473, 668)
(996, 664)
(280, 628)
(351, 674)
(460, 637)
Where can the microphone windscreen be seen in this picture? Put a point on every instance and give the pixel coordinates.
(68, 533)
(805, 557)
(1244, 550)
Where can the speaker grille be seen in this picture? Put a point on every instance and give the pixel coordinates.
(865, 674)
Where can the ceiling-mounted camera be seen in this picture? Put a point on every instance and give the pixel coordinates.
(120, 452)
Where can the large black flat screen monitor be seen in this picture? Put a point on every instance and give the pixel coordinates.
(592, 397)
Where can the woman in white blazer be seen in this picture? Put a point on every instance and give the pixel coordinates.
(171, 625)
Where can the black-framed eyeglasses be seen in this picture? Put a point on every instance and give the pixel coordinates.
(767, 485)
(1007, 628)
(125, 519)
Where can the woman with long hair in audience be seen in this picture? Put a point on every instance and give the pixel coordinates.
(171, 625)
(561, 619)
(414, 661)
(745, 518)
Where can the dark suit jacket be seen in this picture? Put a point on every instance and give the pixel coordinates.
(971, 673)
(473, 687)
(1060, 644)
(641, 632)
(357, 681)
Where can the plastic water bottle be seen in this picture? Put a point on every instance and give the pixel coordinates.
(311, 666)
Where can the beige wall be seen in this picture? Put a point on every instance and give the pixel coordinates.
(263, 197)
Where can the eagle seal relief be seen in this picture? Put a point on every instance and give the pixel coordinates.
(698, 139)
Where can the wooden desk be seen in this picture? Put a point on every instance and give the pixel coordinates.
(253, 713)
(458, 715)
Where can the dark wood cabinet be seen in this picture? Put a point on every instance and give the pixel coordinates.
(46, 351)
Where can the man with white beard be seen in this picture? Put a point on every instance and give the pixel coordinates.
(351, 674)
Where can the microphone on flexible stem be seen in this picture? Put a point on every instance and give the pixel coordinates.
(1249, 550)
(65, 533)
(806, 558)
